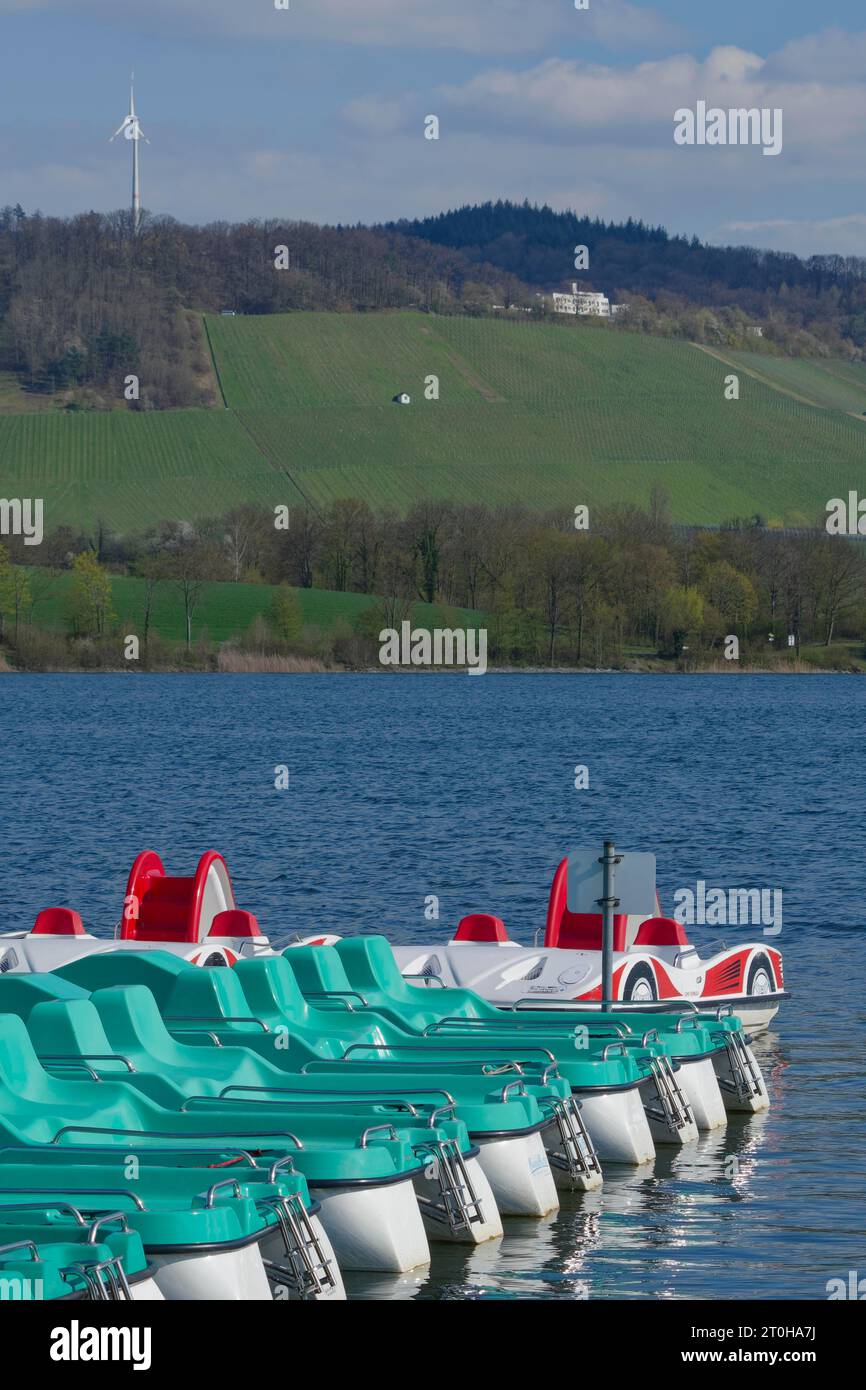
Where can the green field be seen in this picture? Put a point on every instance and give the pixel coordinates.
(131, 470)
(825, 382)
(224, 610)
(542, 414)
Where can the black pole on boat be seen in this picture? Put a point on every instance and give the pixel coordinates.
(607, 902)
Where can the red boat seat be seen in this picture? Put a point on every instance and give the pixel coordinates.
(661, 931)
(158, 907)
(58, 921)
(481, 926)
(577, 931)
(234, 922)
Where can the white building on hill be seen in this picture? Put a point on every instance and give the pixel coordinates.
(582, 302)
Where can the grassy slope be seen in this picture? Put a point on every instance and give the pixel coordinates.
(543, 414)
(132, 469)
(828, 383)
(549, 415)
(225, 610)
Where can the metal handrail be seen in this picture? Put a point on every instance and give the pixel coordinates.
(298, 1102)
(493, 1023)
(428, 979)
(48, 1201)
(335, 1091)
(110, 1151)
(334, 994)
(419, 1047)
(28, 1245)
(85, 1057)
(606, 1050)
(168, 1134)
(83, 1191)
(218, 1019)
(376, 1129)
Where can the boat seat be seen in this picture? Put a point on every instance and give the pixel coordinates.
(481, 926)
(19, 994)
(661, 931)
(58, 921)
(577, 931)
(235, 922)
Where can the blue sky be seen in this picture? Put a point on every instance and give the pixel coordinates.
(317, 112)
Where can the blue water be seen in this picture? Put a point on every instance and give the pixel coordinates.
(408, 786)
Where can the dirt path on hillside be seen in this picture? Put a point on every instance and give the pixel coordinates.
(462, 367)
(759, 376)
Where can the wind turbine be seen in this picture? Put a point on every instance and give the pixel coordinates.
(131, 129)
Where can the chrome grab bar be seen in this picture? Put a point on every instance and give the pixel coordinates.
(30, 1246)
(428, 979)
(84, 1057)
(440, 1111)
(550, 1071)
(47, 1202)
(214, 1189)
(287, 1162)
(606, 1050)
(377, 1129)
(650, 1033)
(693, 1019)
(519, 1086)
(103, 1220)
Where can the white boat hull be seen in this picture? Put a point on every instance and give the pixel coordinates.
(519, 1175)
(231, 1276)
(378, 1229)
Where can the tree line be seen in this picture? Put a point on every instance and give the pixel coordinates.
(630, 585)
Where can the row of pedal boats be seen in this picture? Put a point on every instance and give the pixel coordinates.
(173, 1132)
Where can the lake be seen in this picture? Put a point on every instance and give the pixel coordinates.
(402, 788)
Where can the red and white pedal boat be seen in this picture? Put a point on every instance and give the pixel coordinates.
(654, 966)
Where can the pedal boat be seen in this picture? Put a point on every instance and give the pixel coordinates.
(50, 1252)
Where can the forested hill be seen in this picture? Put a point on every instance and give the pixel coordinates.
(824, 295)
(84, 302)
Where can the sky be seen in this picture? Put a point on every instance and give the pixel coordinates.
(317, 111)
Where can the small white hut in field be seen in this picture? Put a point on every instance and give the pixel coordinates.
(403, 398)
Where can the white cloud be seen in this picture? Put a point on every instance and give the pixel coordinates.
(843, 236)
(568, 99)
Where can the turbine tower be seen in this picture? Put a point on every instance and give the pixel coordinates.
(131, 129)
